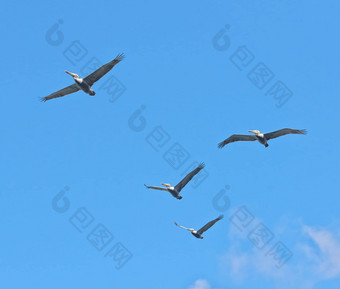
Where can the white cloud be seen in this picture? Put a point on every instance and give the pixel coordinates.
(326, 255)
(316, 258)
(201, 284)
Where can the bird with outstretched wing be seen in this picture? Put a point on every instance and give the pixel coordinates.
(198, 234)
(85, 84)
(262, 138)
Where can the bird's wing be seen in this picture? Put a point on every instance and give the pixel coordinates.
(209, 225)
(67, 90)
(101, 71)
(182, 227)
(188, 177)
(282, 132)
(236, 137)
(156, 188)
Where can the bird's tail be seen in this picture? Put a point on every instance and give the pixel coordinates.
(266, 145)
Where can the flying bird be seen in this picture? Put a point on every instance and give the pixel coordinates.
(175, 191)
(85, 84)
(262, 138)
(198, 234)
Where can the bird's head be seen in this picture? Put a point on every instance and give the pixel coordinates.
(166, 185)
(256, 132)
(74, 75)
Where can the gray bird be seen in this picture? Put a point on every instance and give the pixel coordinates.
(85, 84)
(174, 191)
(262, 138)
(198, 233)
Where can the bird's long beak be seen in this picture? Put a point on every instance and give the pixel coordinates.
(252, 131)
(70, 73)
(165, 185)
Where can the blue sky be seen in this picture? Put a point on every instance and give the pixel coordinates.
(74, 165)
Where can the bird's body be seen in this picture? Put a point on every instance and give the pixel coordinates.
(175, 191)
(85, 84)
(198, 234)
(262, 138)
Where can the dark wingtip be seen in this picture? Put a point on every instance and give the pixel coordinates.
(220, 217)
(221, 145)
(304, 131)
(120, 57)
(42, 99)
(201, 165)
(146, 186)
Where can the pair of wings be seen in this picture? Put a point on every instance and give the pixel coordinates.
(206, 227)
(183, 182)
(268, 136)
(90, 79)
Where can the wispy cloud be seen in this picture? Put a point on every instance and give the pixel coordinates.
(324, 252)
(316, 258)
(201, 284)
